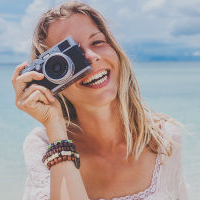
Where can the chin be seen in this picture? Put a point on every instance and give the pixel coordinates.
(103, 99)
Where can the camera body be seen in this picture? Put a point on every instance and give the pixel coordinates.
(62, 65)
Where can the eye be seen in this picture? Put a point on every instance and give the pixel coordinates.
(97, 42)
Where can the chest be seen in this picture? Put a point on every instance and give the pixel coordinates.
(108, 179)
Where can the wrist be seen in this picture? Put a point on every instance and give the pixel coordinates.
(56, 129)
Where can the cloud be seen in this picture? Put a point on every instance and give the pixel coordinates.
(152, 5)
(191, 11)
(16, 35)
(196, 53)
(186, 27)
(3, 25)
(141, 22)
(125, 12)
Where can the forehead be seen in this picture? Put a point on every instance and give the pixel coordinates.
(79, 26)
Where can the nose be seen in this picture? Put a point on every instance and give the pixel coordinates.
(91, 56)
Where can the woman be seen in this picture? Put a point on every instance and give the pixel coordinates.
(126, 151)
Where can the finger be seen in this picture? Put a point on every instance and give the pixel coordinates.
(30, 76)
(22, 80)
(42, 89)
(32, 101)
(17, 71)
(35, 98)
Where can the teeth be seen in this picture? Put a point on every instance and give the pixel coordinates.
(100, 81)
(96, 76)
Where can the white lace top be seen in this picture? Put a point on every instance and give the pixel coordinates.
(167, 183)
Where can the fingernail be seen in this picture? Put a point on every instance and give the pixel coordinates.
(41, 75)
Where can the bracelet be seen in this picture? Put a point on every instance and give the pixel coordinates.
(57, 149)
(63, 156)
(61, 150)
(60, 142)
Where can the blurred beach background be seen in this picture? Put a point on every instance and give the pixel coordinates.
(162, 39)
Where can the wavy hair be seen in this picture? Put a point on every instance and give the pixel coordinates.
(141, 125)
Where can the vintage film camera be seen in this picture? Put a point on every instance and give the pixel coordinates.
(62, 65)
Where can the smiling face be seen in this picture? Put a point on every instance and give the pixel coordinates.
(101, 85)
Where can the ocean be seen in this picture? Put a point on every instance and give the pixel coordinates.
(167, 87)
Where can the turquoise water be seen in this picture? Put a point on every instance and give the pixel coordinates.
(169, 87)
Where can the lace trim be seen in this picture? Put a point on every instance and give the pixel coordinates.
(150, 190)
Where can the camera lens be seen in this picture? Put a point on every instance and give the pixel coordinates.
(56, 67)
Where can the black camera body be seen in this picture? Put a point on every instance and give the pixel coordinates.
(62, 65)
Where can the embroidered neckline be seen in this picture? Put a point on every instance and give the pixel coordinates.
(150, 190)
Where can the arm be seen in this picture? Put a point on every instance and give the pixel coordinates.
(66, 180)
(39, 103)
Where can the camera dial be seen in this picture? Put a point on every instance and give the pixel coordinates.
(58, 68)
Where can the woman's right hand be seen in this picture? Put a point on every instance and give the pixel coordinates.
(35, 100)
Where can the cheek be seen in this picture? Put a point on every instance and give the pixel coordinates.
(111, 57)
(114, 61)
(109, 52)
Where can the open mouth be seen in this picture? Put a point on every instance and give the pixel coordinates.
(97, 79)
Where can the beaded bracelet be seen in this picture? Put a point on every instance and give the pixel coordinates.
(56, 149)
(63, 156)
(61, 150)
(61, 142)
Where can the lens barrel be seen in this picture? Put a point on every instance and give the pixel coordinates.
(58, 68)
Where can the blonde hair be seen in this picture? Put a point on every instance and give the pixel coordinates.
(141, 125)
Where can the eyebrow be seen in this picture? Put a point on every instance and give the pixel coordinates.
(94, 34)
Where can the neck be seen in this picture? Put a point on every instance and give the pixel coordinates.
(102, 128)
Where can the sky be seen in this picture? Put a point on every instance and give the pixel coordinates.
(148, 30)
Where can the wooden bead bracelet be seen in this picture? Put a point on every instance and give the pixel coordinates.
(61, 150)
